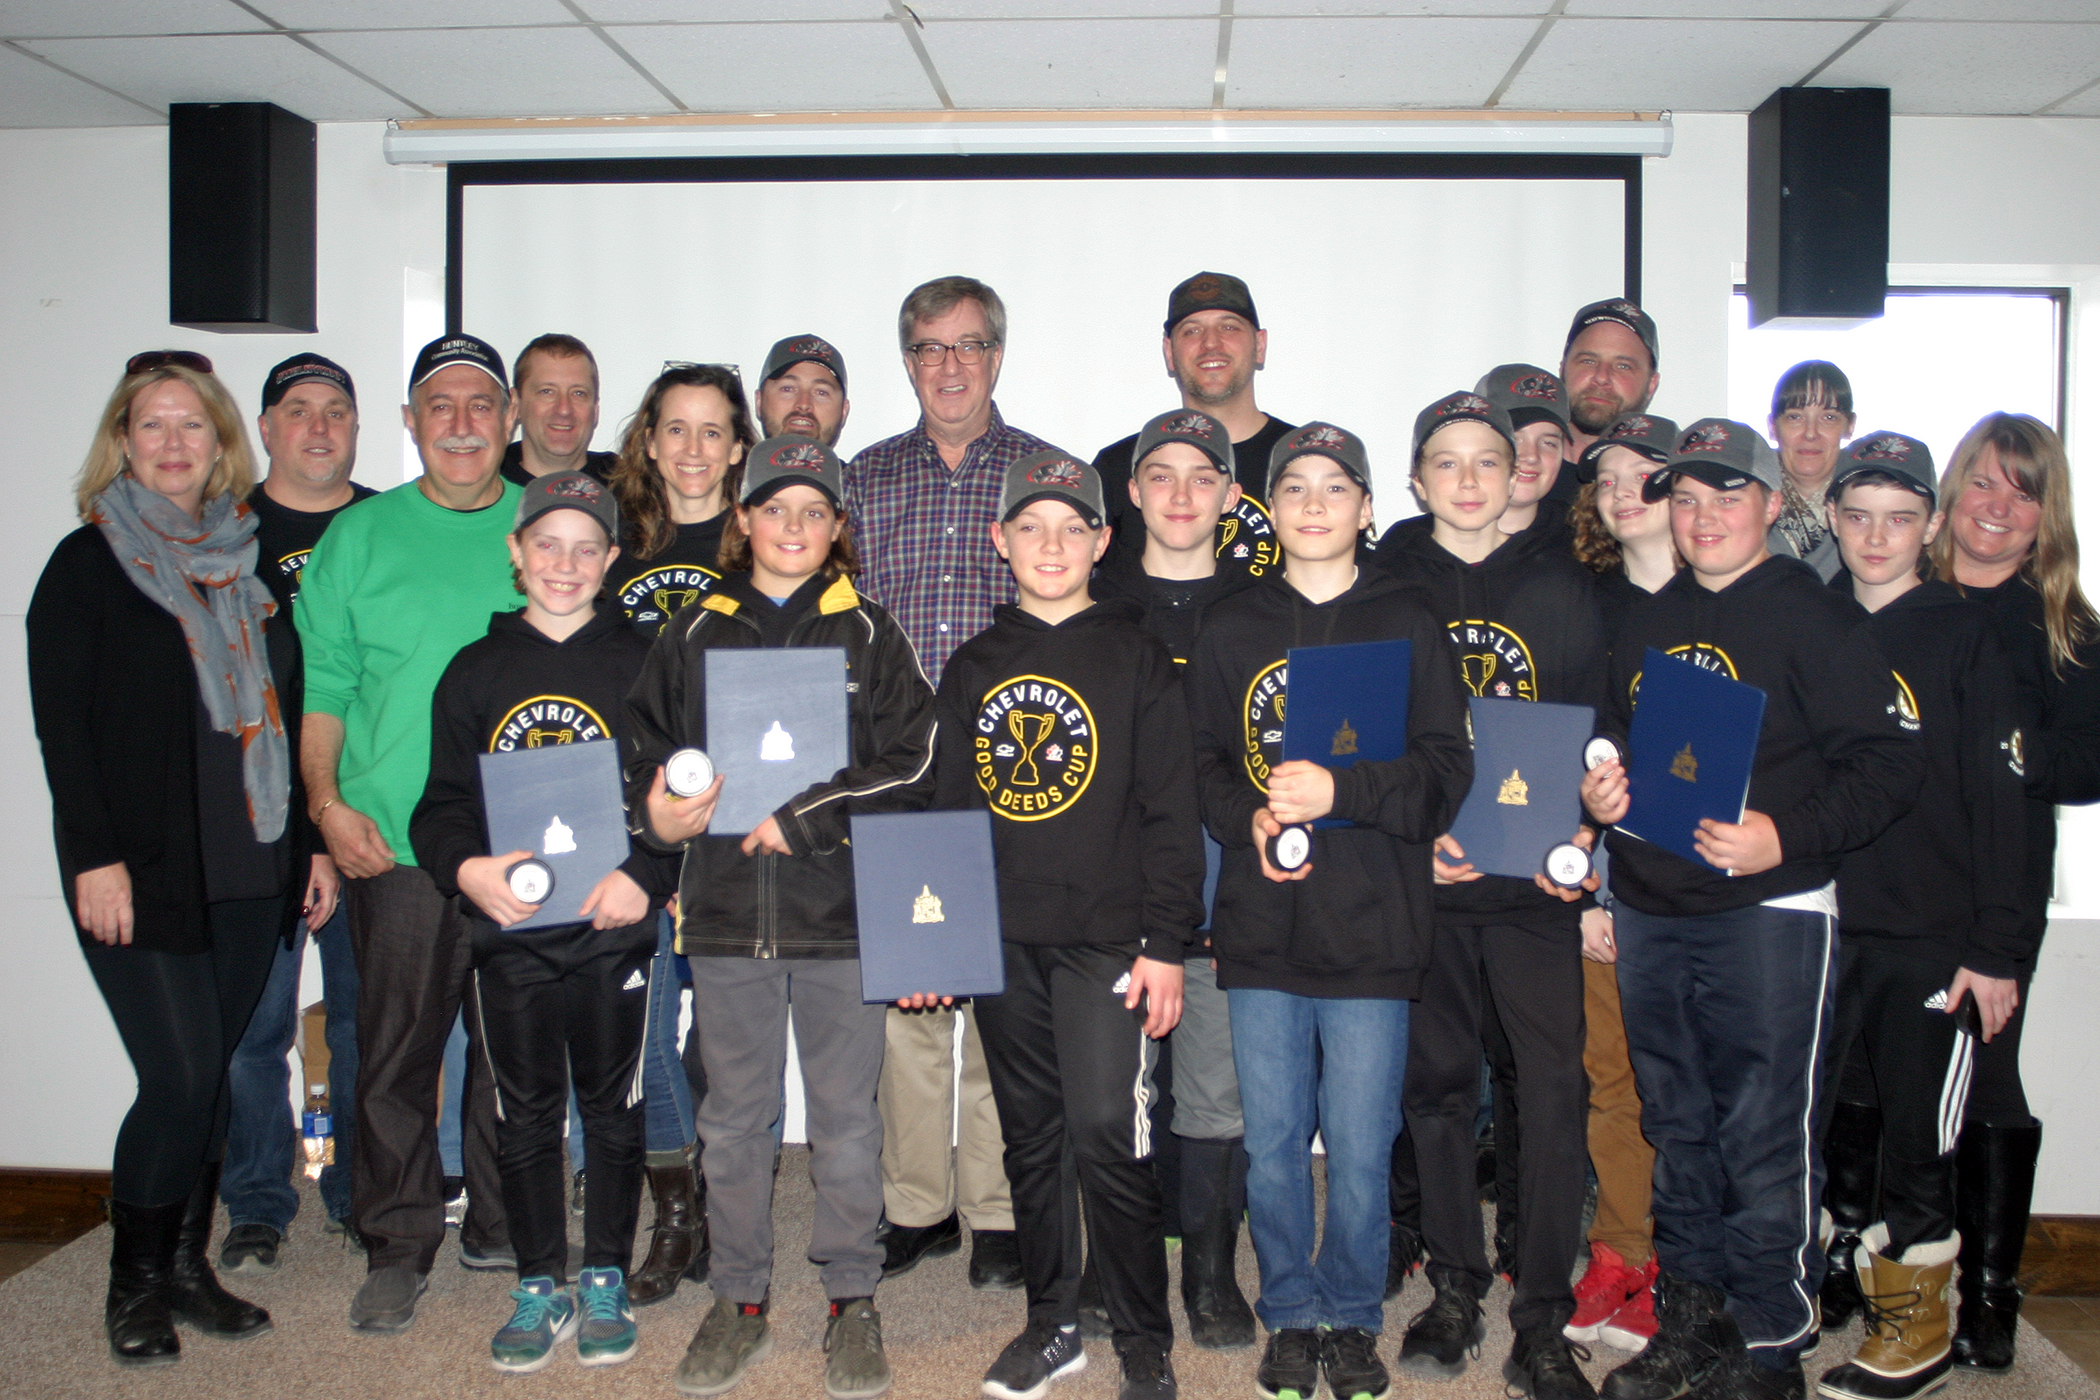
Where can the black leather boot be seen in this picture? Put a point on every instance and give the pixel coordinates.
(678, 1243)
(1993, 1184)
(1213, 1198)
(1851, 1195)
(194, 1295)
(142, 1251)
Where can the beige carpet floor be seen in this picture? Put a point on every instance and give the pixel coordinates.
(941, 1334)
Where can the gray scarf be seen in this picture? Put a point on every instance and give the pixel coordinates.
(203, 572)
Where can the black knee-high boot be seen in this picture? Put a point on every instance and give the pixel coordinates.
(1213, 1199)
(194, 1294)
(1993, 1186)
(1851, 1190)
(141, 1255)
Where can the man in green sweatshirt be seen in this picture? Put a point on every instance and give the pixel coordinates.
(398, 585)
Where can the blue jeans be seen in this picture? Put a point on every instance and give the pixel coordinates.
(667, 1099)
(1333, 1066)
(262, 1133)
(450, 1134)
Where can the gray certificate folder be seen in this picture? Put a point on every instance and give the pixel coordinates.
(928, 900)
(776, 724)
(563, 803)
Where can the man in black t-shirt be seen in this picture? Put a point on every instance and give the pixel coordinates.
(309, 432)
(554, 380)
(1213, 344)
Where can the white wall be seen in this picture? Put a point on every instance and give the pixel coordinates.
(82, 269)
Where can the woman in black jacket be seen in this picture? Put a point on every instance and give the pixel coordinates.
(160, 678)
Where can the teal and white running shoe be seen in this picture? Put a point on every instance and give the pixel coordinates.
(607, 1336)
(545, 1317)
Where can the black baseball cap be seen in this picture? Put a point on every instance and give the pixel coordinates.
(1190, 425)
(795, 349)
(1465, 406)
(1649, 434)
(458, 350)
(1053, 473)
(1210, 291)
(299, 368)
(1892, 454)
(1527, 393)
(569, 491)
(1318, 439)
(1722, 453)
(1623, 312)
(787, 459)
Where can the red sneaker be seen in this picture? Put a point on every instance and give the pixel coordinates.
(1633, 1325)
(1601, 1291)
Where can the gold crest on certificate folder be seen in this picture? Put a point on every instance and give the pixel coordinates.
(1344, 741)
(1515, 791)
(926, 907)
(1684, 765)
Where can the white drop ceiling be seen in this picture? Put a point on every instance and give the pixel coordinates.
(117, 62)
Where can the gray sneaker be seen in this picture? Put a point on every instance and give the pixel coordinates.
(854, 1366)
(732, 1339)
(386, 1301)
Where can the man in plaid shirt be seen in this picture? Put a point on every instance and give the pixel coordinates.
(922, 506)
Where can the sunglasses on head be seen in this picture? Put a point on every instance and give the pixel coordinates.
(146, 361)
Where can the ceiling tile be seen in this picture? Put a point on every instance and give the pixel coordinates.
(931, 10)
(1682, 64)
(2071, 10)
(226, 68)
(1970, 68)
(1371, 62)
(783, 67)
(500, 72)
(35, 94)
(412, 14)
(1733, 9)
(2085, 104)
(69, 18)
(1076, 63)
(1262, 9)
(730, 11)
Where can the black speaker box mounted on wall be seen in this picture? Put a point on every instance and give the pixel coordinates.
(1819, 204)
(240, 217)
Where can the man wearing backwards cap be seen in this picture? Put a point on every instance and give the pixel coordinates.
(393, 590)
(802, 389)
(309, 431)
(1727, 964)
(1213, 345)
(1609, 367)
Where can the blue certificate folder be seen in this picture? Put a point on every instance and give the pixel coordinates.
(1346, 704)
(1527, 784)
(928, 902)
(1693, 742)
(564, 804)
(776, 724)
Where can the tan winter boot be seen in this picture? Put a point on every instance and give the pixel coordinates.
(1909, 1312)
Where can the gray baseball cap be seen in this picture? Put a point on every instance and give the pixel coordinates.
(1527, 393)
(1649, 434)
(1893, 454)
(569, 491)
(1720, 452)
(1318, 439)
(1624, 313)
(784, 460)
(1053, 473)
(793, 350)
(1465, 406)
(1190, 425)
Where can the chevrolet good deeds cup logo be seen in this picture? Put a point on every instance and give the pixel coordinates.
(1032, 745)
(1261, 718)
(1494, 661)
(1711, 438)
(1705, 655)
(1248, 537)
(1060, 472)
(545, 721)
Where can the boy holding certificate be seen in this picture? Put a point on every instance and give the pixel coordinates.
(1319, 963)
(1728, 965)
(769, 917)
(1066, 719)
(1524, 618)
(556, 1003)
(1930, 927)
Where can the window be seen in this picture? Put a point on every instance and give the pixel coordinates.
(1937, 360)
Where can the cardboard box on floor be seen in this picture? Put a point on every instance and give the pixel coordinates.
(313, 1049)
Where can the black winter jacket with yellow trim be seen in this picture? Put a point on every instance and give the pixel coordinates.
(731, 905)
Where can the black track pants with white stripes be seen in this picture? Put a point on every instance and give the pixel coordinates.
(1071, 1071)
(1914, 1063)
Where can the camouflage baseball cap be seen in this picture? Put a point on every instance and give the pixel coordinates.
(1465, 406)
(787, 459)
(1527, 393)
(1722, 453)
(1190, 425)
(1893, 454)
(1210, 291)
(1052, 473)
(1649, 434)
(1322, 440)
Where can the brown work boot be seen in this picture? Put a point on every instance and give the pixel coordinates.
(1909, 1311)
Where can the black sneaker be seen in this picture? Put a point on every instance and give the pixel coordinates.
(1693, 1336)
(1542, 1366)
(1443, 1334)
(995, 1259)
(1032, 1360)
(1349, 1356)
(1147, 1375)
(903, 1246)
(1290, 1365)
(249, 1249)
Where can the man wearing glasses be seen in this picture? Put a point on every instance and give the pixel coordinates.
(922, 506)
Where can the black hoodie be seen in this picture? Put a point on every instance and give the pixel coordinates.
(1171, 609)
(1946, 878)
(1527, 626)
(1833, 768)
(1360, 924)
(1076, 736)
(518, 688)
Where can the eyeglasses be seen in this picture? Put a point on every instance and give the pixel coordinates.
(930, 353)
(670, 365)
(146, 361)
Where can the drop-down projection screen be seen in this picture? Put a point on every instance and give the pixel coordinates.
(1383, 282)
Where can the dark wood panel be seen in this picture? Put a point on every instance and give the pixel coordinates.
(51, 1206)
(2062, 1256)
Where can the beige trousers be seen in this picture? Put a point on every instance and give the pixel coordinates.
(1624, 1161)
(923, 1178)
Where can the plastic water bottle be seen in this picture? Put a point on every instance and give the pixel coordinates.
(317, 1133)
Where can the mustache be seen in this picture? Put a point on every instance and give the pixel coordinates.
(472, 442)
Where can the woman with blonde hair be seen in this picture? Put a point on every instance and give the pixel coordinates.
(160, 677)
(2010, 543)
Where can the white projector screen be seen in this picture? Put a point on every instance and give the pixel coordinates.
(1379, 295)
